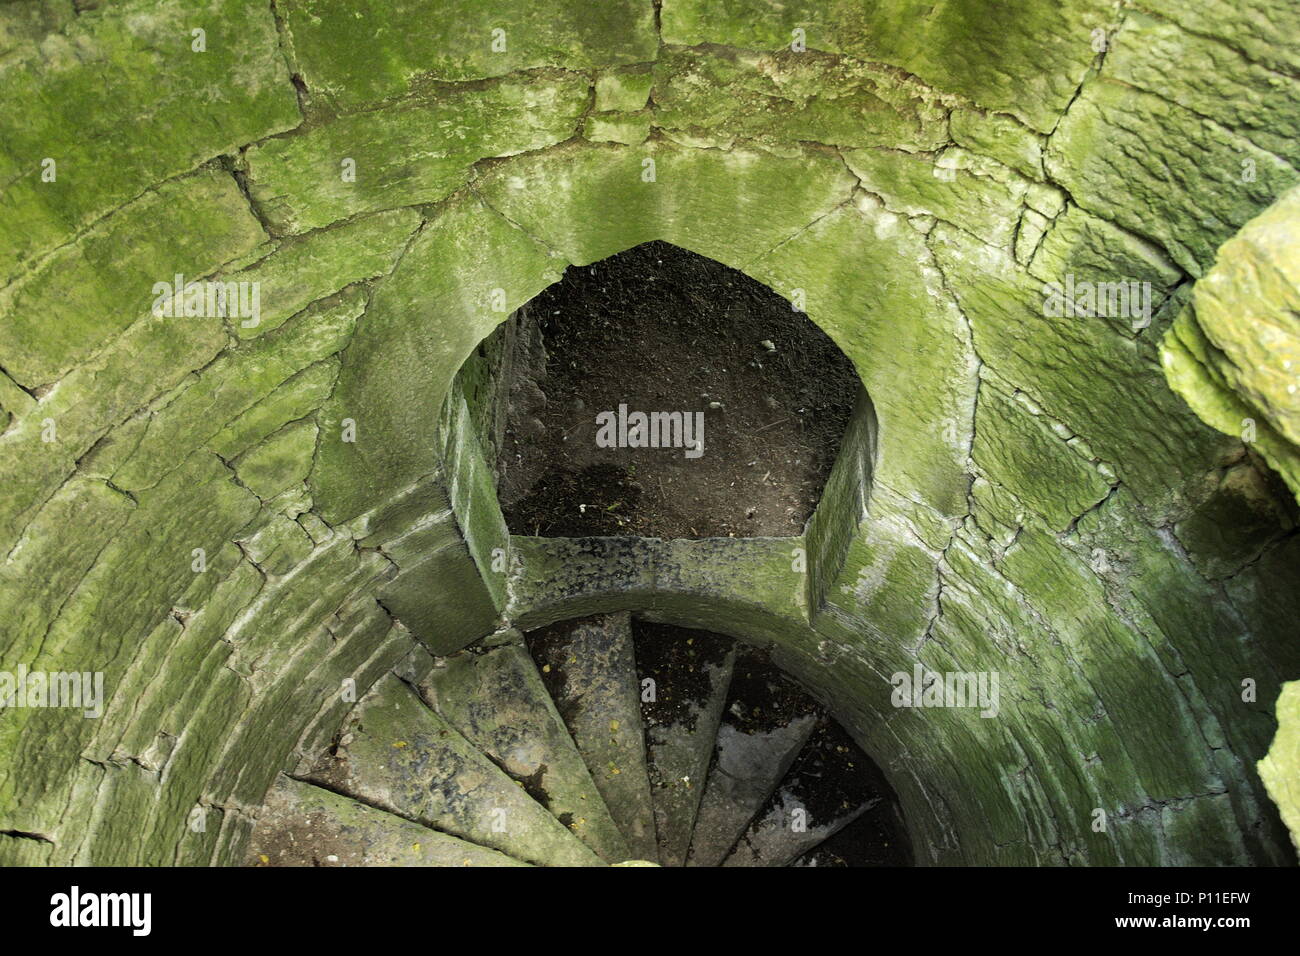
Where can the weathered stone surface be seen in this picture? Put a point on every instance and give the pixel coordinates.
(120, 100)
(798, 97)
(599, 698)
(1079, 371)
(1000, 137)
(1018, 449)
(449, 278)
(747, 769)
(678, 753)
(233, 385)
(866, 277)
(280, 462)
(405, 759)
(944, 186)
(417, 151)
(730, 206)
(624, 90)
(351, 55)
(1107, 153)
(1234, 353)
(988, 51)
(1210, 78)
(616, 128)
(1280, 770)
(496, 698)
(983, 540)
(303, 825)
(76, 300)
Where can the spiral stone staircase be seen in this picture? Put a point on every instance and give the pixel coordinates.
(579, 745)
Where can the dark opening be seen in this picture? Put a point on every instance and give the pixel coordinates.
(657, 329)
(745, 767)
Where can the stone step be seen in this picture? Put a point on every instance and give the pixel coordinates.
(590, 670)
(690, 671)
(304, 825)
(826, 789)
(765, 724)
(493, 694)
(396, 754)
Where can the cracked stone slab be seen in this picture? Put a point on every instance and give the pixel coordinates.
(136, 105)
(590, 669)
(417, 151)
(991, 52)
(305, 825)
(407, 44)
(398, 755)
(496, 698)
(690, 678)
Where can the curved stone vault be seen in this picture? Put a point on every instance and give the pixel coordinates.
(246, 524)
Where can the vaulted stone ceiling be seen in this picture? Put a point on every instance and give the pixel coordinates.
(232, 518)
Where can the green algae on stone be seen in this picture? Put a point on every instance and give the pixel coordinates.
(1081, 372)
(305, 269)
(419, 150)
(1016, 448)
(622, 90)
(988, 51)
(1000, 137)
(797, 98)
(1280, 768)
(293, 399)
(76, 300)
(353, 54)
(865, 276)
(235, 383)
(1211, 78)
(1234, 353)
(617, 128)
(942, 187)
(467, 270)
(120, 100)
(280, 461)
(590, 201)
(1118, 148)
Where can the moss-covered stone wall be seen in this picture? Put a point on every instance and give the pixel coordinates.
(243, 524)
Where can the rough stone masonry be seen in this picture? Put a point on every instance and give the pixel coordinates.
(231, 523)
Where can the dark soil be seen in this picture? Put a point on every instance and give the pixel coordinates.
(761, 697)
(549, 647)
(876, 838)
(660, 329)
(679, 662)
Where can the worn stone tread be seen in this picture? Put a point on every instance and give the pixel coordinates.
(397, 754)
(304, 825)
(495, 697)
(591, 672)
